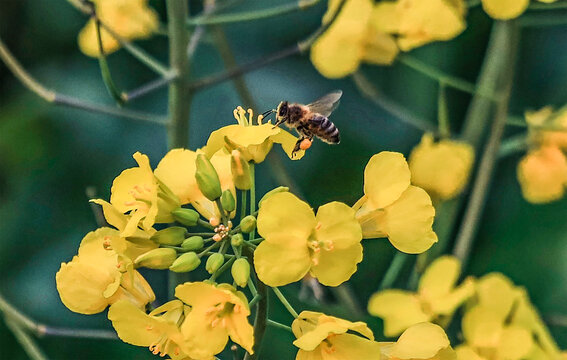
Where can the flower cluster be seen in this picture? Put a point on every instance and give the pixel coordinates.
(542, 173)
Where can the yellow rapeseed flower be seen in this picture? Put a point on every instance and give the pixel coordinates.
(158, 330)
(436, 297)
(217, 312)
(252, 138)
(351, 40)
(418, 22)
(393, 208)
(555, 121)
(322, 337)
(542, 174)
(130, 19)
(98, 276)
(139, 193)
(424, 341)
(297, 242)
(177, 171)
(441, 168)
(507, 9)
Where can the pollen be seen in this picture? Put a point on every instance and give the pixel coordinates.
(305, 144)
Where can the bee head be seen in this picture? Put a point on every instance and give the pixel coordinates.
(281, 111)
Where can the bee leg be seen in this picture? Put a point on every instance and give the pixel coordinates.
(297, 146)
(278, 123)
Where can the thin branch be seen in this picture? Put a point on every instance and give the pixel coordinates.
(369, 91)
(513, 145)
(548, 6)
(394, 270)
(28, 343)
(251, 15)
(147, 88)
(278, 325)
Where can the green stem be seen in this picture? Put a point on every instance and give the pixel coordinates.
(513, 145)
(551, 6)
(284, 302)
(146, 88)
(443, 112)
(251, 15)
(222, 269)
(205, 224)
(179, 94)
(449, 80)
(394, 270)
(473, 212)
(520, 122)
(278, 325)
(369, 91)
(104, 69)
(26, 341)
(252, 196)
(346, 297)
(473, 3)
(243, 206)
(261, 316)
(252, 287)
(224, 218)
(207, 249)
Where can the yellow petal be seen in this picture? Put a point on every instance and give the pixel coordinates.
(420, 341)
(280, 264)
(542, 174)
(88, 41)
(505, 9)
(399, 309)
(177, 171)
(440, 277)
(465, 352)
(386, 17)
(482, 327)
(408, 222)
(386, 177)
(309, 355)
(351, 347)
(202, 340)
(241, 332)
(287, 142)
(497, 292)
(379, 48)
(283, 215)
(311, 340)
(248, 139)
(200, 294)
(336, 224)
(337, 266)
(447, 304)
(515, 343)
(111, 214)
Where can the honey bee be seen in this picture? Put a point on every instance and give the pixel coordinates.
(310, 120)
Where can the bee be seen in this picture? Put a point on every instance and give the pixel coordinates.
(310, 120)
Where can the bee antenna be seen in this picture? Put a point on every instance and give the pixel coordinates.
(267, 113)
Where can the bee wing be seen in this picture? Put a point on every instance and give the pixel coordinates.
(327, 104)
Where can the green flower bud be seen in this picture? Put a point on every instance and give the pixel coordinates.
(193, 243)
(207, 178)
(227, 201)
(187, 217)
(185, 263)
(248, 224)
(160, 259)
(240, 272)
(272, 192)
(173, 235)
(236, 239)
(214, 262)
(240, 170)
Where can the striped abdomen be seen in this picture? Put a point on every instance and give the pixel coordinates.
(324, 129)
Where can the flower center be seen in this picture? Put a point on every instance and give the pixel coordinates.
(161, 345)
(141, 195)
(240, 116)
(217, 314)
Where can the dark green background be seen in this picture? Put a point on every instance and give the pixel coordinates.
(48, 155)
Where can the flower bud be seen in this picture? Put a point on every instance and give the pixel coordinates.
(160, 259)
(240, 272)
(207, 178)
(185, 263)
(237, 239)
(187, 217)
(240, 170)
(193, 243)
(227, 201)
(272, 192)
(248, 224)
(173, 235)
(214, 262)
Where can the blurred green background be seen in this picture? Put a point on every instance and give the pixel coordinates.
(48, 155)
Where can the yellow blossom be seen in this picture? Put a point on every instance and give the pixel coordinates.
(129, 19)
(322, 337)
(217, 312)
(177, 171)
(393, 208)
(297, 242)
(418, 22)
(441, 168)
(139, 193)
(351, 40)
(542, 174)
(98, 276)
(425, 341)
(507, 9)
(252, 138)
(436, 297)
(555, 121)
(158, 330)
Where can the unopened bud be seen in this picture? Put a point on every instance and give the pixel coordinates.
(187, 217)
(207, 178)
(193, 243)
(272, 192)
(240, 272)
(217, 237)
(173, 235)
(248, 224)
(185, 263)
(240, 170)
(214, 262)
(236, 239)
(215, 221)
(160, 259)
(227, 201)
